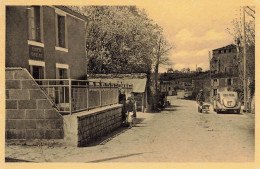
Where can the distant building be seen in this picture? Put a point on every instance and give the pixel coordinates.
(49, 41)
(224, 61)
(224, 69)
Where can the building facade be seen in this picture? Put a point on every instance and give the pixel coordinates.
(49, 41)
(224, 70)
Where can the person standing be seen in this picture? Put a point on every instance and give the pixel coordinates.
(122, 100)
(131, 110)
(200, 98)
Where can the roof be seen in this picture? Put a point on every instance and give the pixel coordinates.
(139, 85)
(231, 46)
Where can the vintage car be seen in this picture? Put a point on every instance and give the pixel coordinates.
(227, 102)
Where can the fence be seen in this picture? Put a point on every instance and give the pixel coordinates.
(72, 96)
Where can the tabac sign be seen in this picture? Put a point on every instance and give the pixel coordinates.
(36, 52)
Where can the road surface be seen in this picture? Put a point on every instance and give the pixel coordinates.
(177, 134)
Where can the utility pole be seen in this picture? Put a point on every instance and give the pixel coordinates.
(210, 76)
(244, 43)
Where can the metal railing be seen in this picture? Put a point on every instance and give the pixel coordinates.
(71, 96)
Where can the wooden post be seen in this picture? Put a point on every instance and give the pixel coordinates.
(87, 95)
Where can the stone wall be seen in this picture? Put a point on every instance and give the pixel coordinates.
(85, 127)
(29, 113)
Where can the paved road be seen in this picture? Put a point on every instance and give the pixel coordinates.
(178, 134)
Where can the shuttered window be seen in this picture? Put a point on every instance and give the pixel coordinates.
(61, 31)
(35, 24)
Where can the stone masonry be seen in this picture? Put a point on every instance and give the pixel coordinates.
(83, 128)
(29, 113)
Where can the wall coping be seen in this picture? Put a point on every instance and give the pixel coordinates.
(92, 112)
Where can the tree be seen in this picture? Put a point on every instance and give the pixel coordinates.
(199, 69)
(120, 39)
(237, 33)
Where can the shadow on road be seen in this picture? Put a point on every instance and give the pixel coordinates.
(171, 108)
(103, 140)
(113, 158)
(15, 160)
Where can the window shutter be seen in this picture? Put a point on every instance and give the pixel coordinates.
(32, 20)
(66, 32)
(56, 27)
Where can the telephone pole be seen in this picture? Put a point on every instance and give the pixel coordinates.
(244, 44)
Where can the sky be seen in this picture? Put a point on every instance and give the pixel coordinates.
(194, 28)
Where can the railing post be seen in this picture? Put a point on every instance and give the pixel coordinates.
(87, 95)
(70, 97)
(100, 94)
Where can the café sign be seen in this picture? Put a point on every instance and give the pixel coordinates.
(36, 52)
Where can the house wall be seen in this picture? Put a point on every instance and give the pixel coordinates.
(17, 54)
(49, 42)
(17, 50)
(224, 62)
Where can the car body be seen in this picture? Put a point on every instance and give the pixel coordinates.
(227, 102)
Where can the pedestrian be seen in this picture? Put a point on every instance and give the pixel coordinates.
(122, 100)
(131, 110)
(200, 98)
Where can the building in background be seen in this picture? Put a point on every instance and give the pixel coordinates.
(224, 69)
(49, 41)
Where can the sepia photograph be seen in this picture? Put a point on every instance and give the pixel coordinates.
(151, 82)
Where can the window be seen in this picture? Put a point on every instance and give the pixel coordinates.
(219, 51)
(62, 73)
(229, 50)
(225, 51)
(229, 82)
(214, 92)
(37, 72)
(37, 69)
(61, 31)
(35, 24)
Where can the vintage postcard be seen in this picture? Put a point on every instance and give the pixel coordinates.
(169, 84)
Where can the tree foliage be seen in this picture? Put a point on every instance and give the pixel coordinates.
(237, 32)
(120, 39)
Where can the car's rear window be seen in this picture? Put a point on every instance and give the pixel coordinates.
(233, 95)
(225, 95)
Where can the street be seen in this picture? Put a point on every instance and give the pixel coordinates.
(177, 134)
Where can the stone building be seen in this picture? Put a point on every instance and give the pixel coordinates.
(49, 41)
(224, 69)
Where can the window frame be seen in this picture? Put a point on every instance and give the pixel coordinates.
(62, 66)
(59, 13)
(30, 12)
(39, 64)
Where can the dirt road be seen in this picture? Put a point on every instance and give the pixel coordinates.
(178, 134)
